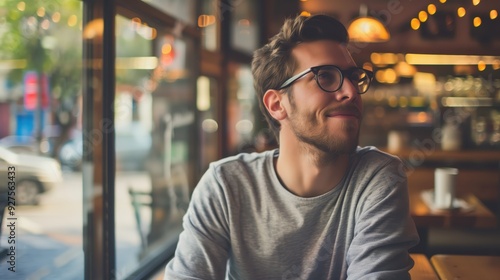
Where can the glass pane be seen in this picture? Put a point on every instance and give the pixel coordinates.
(209, 22)
(244, 27)
(40, 105)
(242, 109)
(206, 103)
(155, 135)
(184, 10)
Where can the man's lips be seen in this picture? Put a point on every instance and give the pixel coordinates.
(351, 112)
(343, 114)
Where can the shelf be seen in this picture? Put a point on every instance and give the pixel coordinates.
(479, 156)
(467, 102)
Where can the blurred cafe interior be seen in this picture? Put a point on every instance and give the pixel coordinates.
(131, 100)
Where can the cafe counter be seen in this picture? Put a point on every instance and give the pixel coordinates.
(479, 171)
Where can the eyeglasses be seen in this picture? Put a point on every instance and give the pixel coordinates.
(330, 78)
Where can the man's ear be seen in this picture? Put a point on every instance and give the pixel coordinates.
(273, 100)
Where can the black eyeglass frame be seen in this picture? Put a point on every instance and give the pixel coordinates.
(315, 71)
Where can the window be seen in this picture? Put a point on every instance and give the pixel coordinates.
(241, 108)
(155, 138)
(40, 116)
(183, 10)
(206, 103)
(245, 34)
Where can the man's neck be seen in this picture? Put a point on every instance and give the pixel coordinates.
(306, 171)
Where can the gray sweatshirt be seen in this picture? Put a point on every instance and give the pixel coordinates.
(242, 223)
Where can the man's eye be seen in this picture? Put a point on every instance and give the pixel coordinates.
(327, 78)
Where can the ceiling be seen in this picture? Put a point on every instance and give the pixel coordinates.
(457, 36)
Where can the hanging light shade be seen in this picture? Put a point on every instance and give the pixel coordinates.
(367, 29)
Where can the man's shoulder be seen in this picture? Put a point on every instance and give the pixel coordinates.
(242, 162)
(371, 159)
(373, 153)
(237, 173)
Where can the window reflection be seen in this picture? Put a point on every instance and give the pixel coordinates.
(155, 136)
(242, 108)
(208, 22)
(180, 9)
(244, 27)
(207, 106)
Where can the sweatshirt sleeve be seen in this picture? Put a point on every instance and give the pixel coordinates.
(384, 230)
(203, 247)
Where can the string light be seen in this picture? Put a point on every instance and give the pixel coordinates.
(415, 24)
(481, 66)
(493, 14)
(422, 16)
(477, 22)
(476, 2)
(461, 12)
(431, 9)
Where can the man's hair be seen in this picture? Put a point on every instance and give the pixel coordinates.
(273, 63)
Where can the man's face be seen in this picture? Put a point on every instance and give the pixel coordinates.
(328, 121)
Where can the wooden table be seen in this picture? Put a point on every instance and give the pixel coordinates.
(422, 270)
(467, 267)
(425, 217)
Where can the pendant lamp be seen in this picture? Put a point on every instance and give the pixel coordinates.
(367, 29)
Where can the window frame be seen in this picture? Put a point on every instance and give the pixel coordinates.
(99, 156)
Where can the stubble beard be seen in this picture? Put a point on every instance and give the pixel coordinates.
(308, 130)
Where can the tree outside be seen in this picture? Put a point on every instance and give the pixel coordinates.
(42, 53)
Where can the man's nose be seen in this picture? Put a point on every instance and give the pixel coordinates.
(348, 90)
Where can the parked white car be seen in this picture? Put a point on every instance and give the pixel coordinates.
(22, 144)
(32, 175)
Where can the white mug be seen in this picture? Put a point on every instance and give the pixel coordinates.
(396, 140)
(445, 180)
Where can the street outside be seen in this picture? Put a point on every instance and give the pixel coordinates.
(48, 236)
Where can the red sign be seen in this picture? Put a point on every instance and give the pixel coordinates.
(31, 88)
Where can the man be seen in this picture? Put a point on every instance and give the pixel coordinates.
(319, 207)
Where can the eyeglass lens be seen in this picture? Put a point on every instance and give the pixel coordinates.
(330, 78)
